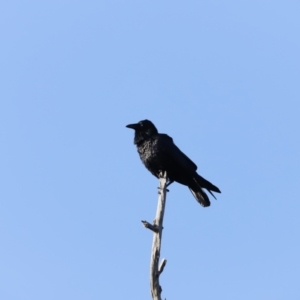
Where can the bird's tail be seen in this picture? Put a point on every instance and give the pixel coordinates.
(196, 188)
(200, 196)
(206, 184)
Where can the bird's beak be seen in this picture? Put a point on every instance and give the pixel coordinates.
(132, 126)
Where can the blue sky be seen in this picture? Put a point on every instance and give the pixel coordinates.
(221, 77)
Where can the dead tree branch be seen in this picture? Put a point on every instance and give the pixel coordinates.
(157, 227)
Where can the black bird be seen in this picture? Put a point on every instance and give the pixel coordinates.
(158, 153)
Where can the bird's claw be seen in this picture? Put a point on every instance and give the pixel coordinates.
(159, 188)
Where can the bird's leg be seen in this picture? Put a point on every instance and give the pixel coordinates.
(160, 175)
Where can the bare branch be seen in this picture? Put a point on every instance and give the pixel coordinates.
(156, 270)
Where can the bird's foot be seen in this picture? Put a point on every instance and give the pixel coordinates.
(159, 188)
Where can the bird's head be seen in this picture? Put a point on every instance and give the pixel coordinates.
(143, 130)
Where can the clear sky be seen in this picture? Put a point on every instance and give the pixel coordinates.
(221, 77)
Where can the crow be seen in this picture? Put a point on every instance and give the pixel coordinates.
(159, 154)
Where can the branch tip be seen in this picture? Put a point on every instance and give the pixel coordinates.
(154, 227)
(162, 266)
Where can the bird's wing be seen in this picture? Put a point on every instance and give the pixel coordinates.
(166, 143)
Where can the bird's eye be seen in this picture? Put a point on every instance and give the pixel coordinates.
(141, 124)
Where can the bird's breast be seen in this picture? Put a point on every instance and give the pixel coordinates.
(150, 156)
